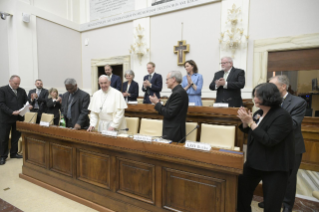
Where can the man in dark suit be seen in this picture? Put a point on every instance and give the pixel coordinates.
(152, 84)
(296, 107)
(228, 83)
(75, 105)
(37, 98)
(12, 99)
(115, 80)
(175, 109)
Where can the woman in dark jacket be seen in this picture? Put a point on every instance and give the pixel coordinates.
(270, 154)
(54, 105)
(130, 88)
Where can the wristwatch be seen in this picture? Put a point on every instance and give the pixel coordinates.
(192, 84)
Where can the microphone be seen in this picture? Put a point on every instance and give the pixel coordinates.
(197, 126)
(227, 100)
(125, 129)
(32, 117)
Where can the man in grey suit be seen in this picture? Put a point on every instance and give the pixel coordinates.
(296, 107)
(75, 105)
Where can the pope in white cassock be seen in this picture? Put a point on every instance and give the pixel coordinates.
(107, 107)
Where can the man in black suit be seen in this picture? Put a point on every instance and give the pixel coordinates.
(115, 80)
(228, 83)
(37, 98)
(175, 109)
(296, 107)
(75, 105)
(152, 84)
(12, 99)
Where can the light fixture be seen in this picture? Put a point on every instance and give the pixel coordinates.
(4, 15)
(139, 47)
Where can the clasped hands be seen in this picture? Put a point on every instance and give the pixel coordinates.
(220, 82)
(245, 117)
(146, 83)
(154, 99)
(125, 94)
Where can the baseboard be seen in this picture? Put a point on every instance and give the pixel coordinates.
(66, 194)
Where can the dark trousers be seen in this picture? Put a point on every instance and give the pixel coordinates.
(274, 188)
(290, 195)
(4, 139)
(38, 116)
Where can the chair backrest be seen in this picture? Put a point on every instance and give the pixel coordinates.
(189, 127)
(140, 101)
(132, 124)
(208, 102)
(47, 118)
(152, 127)
(219, 136)
(30, 117)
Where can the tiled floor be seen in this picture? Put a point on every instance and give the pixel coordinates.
(26, 196)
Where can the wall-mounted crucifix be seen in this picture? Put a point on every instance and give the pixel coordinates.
(181, 49)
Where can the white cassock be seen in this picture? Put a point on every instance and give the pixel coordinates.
(108, 109)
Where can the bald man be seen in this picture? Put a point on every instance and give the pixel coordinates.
(107, 107)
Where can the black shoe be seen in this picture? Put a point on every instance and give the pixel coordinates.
(2, 161)
(261, 205)
(286, 210)
(16, 156)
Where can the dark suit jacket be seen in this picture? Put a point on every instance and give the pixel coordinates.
(157, 84)
(116, 82)
(235, 82)
(296, 107)
(79, 108)
(53, 107)
(133, 90)
(174, 113)
(270, 146)
(9, 103)
(42, 98)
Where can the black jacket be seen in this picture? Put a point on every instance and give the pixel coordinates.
(42, 98)
(79, 108)
(235, 82)
(296, 107)
(157, 84)
(9, 103)
(271, 145)
(133, 90)
(174, 112)
(53, 107)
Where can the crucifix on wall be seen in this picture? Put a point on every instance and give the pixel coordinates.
(181, 49)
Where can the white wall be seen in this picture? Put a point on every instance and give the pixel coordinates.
(273, 18)
(105, 43)
(4, 54)
(201, 32)
(59, 54)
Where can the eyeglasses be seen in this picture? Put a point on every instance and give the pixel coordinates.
(223, 63)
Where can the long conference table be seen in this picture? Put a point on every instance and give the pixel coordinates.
(121, 174)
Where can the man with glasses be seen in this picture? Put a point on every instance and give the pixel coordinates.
(228, 82)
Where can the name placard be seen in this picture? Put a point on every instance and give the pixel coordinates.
(191, 104)
(197, 146)
(225, 105)
(44, 124)
(142, 138)
(109, 133)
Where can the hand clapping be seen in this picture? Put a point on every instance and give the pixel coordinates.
(244, 116)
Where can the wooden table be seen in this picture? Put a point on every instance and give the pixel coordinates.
(120, 174)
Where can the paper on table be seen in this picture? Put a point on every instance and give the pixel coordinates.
(24, 110)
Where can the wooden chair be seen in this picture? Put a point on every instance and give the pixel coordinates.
(132, 124)
(218, 136)
(152, 127)
(208, 102)
(189, 127)
(47, 118)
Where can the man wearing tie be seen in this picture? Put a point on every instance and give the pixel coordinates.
(152, 84)
(228, 83)
(75, 105)
(12, 99)
(296, 107)
(115, 80)
(37, 98)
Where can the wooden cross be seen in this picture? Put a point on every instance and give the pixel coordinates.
(181, 49)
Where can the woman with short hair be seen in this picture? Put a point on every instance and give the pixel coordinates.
(54, 105)
(193, 83)
(130, 87)
(270, 154)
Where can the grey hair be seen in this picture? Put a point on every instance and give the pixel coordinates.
(14, 76)
(229, 59)
(177, 75)
(282, 79)
(70, 81)
(130, 72)
(105, 76)
(38, 80)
